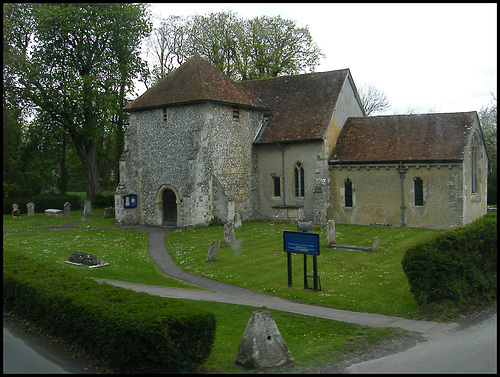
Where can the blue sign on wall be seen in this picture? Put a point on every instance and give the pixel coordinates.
(300, 242)
(130, 201)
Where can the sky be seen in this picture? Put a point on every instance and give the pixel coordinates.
(425, 57)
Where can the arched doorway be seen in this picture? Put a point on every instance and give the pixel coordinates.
(169, 200)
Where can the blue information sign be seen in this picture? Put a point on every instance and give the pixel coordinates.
(300, 242)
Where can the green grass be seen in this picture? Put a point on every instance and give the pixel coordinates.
(352, 280)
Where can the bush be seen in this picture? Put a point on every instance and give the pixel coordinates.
(129, 331)
(458, 265)
(42, 202)
(103, 201)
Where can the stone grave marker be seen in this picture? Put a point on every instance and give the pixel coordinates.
(86, 208)
(30, 209)
(228, 233)
(109, 212)
(262, 344)
(330, 232)
(15, 210)
(51, 212)
(375, 244)
(237, 220)
(67, 209)
(86, 259)
(212, 252)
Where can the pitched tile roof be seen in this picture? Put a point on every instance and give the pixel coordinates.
(425, 137)
(195, 81)
(301, 106)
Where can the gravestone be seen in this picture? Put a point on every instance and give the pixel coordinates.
(109, 212)
(262, 344)
(228, 233)
(375, 243)
(53, 212)
(30, 209)
(15, 210)
(86, 208)
(86, 259)
(237, 220)
(330, 232)
(67, 209)
(212, 252)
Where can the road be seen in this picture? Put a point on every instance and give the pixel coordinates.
(470, 349)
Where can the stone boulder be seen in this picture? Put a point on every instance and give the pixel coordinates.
(262, 344)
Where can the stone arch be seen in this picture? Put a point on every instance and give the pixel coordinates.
(168, 203)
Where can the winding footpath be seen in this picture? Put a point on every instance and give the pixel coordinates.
(227, 293)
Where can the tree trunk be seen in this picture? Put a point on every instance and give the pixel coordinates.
(88, 156)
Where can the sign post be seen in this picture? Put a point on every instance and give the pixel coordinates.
(302, 243)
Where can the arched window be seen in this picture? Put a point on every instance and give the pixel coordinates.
(299, 180)
(419, 192)
(474, 165)
(348, 192)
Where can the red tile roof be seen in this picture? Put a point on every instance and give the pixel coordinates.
(301, 106)
(195, 81)
(425, 137)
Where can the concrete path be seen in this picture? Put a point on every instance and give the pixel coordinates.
(227, 293)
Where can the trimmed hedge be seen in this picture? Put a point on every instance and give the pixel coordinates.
(459, 264)
(42, 202)
(129, 331)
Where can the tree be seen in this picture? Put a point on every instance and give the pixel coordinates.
(488, 118)
(84, 59)
(241, 49)
(373, 99)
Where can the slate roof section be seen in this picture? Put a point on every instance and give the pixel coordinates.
(301, 106)
(394, 138)
(195, 81)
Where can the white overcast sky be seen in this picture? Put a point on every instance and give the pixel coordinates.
(424, 57)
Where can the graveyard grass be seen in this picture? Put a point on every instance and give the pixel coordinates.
(359, 281)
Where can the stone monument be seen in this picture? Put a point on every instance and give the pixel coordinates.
(228, 233)
(30, 209)
(212, 252)
(262, 344)
(67, 209)
(330, 233)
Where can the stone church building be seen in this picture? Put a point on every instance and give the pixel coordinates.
(201, 146)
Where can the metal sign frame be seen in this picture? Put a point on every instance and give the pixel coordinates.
(302, 243)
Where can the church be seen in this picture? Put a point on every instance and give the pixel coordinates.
(201, 146)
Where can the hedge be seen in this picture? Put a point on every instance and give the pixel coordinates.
(459, 264)
(129, 331)
(42, 202)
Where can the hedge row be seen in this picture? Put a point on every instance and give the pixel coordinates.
(459, 264)
(129, 331)
(42, 202)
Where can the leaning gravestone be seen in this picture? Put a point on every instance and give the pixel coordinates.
(330, 232)
(30, 209)
(229, 233)
(212, 252)
(67, 209)
(86, 208)
(262, 344)
(375, 243)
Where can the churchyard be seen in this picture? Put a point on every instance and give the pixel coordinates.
(353, 280)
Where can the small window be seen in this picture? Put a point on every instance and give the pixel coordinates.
(299, 180)
(474, 165)
(276, 186)
(165, 114)
(348, 192)
(236, 114)
(419, 192)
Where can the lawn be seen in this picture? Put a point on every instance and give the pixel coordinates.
(351, 280)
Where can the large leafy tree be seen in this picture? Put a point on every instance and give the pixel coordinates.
(84, 58)
(242, 49)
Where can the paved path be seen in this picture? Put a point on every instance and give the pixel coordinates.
(227, 293)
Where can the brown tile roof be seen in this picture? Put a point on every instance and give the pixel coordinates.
(195, 81)
(301, 106)
(425, 137)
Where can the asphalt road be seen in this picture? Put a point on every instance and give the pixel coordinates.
(470, 349)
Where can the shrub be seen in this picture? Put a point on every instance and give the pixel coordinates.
(129, 331)
(103, 201)
(42, 202)
(459, 264)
